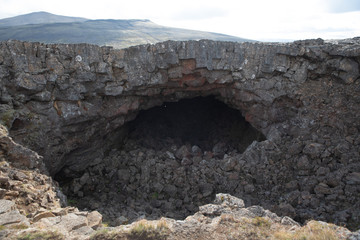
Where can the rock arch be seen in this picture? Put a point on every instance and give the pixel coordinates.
(302, 96)
(86, 87)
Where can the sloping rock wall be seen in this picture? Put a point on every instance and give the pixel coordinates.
(66, 101)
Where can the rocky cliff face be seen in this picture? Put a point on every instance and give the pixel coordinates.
(69, 103)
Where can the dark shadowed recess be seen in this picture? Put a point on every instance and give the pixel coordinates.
(200, 121)
(153, 166)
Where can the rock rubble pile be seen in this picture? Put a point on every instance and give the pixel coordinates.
(70, 104)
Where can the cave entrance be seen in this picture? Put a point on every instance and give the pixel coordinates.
(202, 122)
(166, 162)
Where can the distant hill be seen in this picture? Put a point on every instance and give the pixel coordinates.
(49, 28)
(38, 18)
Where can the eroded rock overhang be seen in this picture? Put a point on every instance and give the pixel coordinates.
(64, 100)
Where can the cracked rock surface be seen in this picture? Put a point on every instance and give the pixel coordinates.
(69, 104)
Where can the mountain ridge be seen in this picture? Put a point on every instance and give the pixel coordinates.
(38, 18)
(119, 33)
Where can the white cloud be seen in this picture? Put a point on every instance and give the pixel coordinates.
(255, 19)
(195, 14)
(340, 6)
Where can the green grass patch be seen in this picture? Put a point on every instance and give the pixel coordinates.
(72, 202)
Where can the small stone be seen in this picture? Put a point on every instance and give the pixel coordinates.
(228, 200)
(182, 152)
(43, 96)
(256, 210)
(41, 215)
(349, 70)
(94, 205)
(94, 219)
(331, 197)
(4, 180)
(289, 221)
(304, 173)
(208, 155)
(113, 89)
(333, 181)
(228, 164)
(211, 210)
(322, 171)
(155, 203)
(170, 155)
(2, 192)
(353, 178)
(196, 151)
(96, 161)
(76, 186)
(292, 185)
(206, 189)
(124, 174)
(196, 160)
(349, 139)
(121, 220)
(286, 209)
(186, 162)
(158, 187)
(20, 176)
(148, 209)
(84, 179)
(171, 190)
(83, 231)
(322, 188)
(12, 217)
(234, 176)
(292, 197)
(72, 222)
(12, 193)
(314, 150)
(78, 58)
(303, 163)
(47, 222)
(81, 213)
(6, 206)
(249, 188)
(60, 211)
(295, 148)
(219, 149)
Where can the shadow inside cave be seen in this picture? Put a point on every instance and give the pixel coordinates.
(167, 162)
(200, 121)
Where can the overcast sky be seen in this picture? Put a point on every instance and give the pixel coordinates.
(265, 20)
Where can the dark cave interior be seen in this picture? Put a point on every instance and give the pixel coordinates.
(166, 162)
(200, 121)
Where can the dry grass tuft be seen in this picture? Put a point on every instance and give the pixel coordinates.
(228, 227)
(260, 228)
(312, 231)
(147, 231)
(42, 235)
(105, 234)
(142, 230)
(19, 226)
(261, 222)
